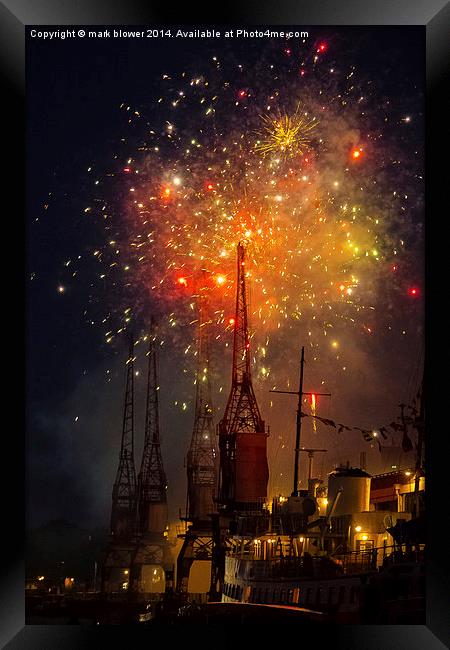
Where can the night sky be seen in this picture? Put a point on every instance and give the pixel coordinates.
(148, 160)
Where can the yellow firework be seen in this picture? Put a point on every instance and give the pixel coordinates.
(286, 135)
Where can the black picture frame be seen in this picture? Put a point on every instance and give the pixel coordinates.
(433, 15)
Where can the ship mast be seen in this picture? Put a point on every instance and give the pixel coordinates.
(300, 394)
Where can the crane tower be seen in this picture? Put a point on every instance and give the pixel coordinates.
(117, 556)
(201, 463)
(151, 559)
(242, 434)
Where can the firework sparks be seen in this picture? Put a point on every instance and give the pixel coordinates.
(286, 135)
(311, 200)
(313, 403)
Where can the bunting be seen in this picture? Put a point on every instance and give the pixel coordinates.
(367, 434)
(329, 423)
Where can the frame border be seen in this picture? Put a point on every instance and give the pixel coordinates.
(433, 15)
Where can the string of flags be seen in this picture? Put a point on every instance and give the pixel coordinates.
(371, 435)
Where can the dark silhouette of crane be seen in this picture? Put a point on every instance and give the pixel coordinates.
(151, 549)
(124, 489)
(117, 556)
(201, 462)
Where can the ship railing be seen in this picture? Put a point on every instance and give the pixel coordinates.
(287, 567)
(357, 561)
(318, 567)
(257, 505)
(372, 559)
(278, 562)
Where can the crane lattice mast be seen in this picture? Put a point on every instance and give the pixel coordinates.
(242, 433)
(201, 458)
(124, 490)
(152, 482)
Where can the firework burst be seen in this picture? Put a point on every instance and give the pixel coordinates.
(314, 199)
(286, 135)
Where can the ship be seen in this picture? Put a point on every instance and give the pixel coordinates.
(352, 549)
(354, 563)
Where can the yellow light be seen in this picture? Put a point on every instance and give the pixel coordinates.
(364, 537)
(357, 528)
(126, 572)
(220, 279)
(302, 539)
(288, 135)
